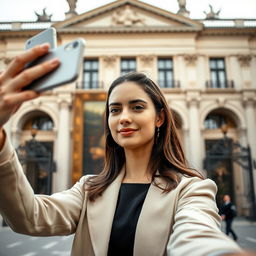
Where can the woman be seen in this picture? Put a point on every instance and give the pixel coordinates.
(146, 201)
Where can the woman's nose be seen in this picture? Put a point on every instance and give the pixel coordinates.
(125, 117)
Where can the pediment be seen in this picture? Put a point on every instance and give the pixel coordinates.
(128, 14)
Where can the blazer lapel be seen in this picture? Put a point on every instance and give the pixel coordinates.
(153, 227)
(100, 216)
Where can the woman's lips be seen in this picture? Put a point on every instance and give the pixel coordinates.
(127, 131)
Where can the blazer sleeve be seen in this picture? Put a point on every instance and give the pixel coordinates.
(196, 230)
(31, 214)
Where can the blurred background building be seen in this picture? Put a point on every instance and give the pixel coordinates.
(206, 69)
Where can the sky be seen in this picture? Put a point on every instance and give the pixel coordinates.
(23, 10)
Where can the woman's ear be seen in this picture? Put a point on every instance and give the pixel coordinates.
(160, 118)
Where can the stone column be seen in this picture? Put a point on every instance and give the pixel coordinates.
(186, 143)
(251, 124)
(63, 175)
(195, 156)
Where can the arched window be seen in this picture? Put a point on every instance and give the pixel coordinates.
(215, 120)
(41, 121)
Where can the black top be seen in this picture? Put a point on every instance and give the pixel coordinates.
(130, 200)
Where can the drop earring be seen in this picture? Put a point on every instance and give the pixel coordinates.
(158, 132)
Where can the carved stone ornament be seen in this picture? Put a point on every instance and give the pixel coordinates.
(190, 59)
(44, 16)
(72, 6)
(109, 61)
(182, 8)
(126, 17)
(146, 60)
(212, 15)
(244, 60)
(221, 101)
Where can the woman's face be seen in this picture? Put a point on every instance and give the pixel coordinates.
(132, 116)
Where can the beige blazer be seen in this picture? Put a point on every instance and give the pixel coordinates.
(182, 222)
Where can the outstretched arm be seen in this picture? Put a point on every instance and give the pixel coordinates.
(31, 214)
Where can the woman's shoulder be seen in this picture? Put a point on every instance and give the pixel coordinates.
(84, 180)
(196, 185)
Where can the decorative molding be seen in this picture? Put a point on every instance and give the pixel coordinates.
(64, 103)
(190, 59)
(146, 59)
(244, 60)
(193, 101)
(221, 101)
(249, 101)
(247, 84)
(126, 17)
(109, 61)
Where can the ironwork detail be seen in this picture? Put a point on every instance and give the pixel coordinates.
(231, 152)
(38, 165)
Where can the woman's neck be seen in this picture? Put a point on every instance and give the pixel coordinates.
(137, 166)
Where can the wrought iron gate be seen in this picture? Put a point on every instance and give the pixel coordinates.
(220, 158)
(38, 165)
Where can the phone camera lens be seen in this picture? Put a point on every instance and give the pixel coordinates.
(75, 44)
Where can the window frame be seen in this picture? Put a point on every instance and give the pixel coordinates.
(129, 69)
(166, 82)
(91, 83)
(218, 83)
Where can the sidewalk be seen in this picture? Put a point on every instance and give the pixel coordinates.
(242, 221)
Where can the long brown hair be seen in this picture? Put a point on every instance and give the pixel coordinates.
(167, 158)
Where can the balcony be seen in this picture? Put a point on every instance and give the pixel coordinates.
(228, 84)
(169, 84)
(90, 85)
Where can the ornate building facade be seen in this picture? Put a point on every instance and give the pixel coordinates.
(206, 70)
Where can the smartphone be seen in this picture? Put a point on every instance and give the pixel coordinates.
(47, 36)
(70, 56)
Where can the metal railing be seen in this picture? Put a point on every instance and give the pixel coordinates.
(227, 84)
(169, 83)
(90, 85)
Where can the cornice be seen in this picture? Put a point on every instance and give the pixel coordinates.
(228, 31)
(108, 30)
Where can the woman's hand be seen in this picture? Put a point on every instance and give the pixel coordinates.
(15, 78)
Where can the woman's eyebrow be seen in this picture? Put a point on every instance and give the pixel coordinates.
(130, 102)
(137, 101)
(115, 103)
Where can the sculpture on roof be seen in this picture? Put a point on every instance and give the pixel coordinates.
(182, 8)
(72, 6)
(212, 15)
(126, 17)
(72, 9)
(182, 4)
(44, 16)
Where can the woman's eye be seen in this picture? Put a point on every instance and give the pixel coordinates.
(114, 110)
(138, 107)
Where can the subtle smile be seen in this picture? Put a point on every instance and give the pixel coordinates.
(127, 131)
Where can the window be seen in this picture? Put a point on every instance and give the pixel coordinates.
(91, 74)
(128, 65)
(216, 120)
(218, 73)
(165, 73)
(41, 122)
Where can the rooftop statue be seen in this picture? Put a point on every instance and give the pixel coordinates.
(43, 17)
(212, 15)
(72, 6)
